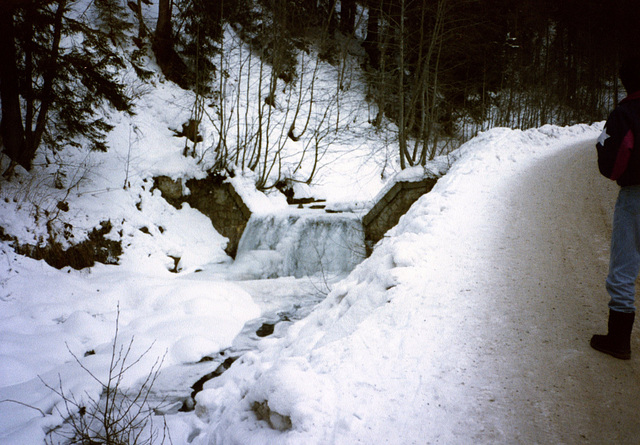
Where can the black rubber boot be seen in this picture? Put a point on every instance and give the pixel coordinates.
(617, 342)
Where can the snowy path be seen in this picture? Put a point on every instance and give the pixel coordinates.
(544, 383)
(515, 362)
(532, 297)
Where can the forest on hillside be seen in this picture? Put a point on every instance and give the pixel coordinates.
(440, 70)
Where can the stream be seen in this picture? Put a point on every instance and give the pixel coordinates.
(288, 263)
(282, 301)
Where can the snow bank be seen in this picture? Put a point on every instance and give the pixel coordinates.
(359, 359)
(48, 315)
(257, 202)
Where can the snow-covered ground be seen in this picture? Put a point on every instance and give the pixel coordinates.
(468, 324)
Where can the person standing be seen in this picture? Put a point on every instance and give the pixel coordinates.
(618, 150)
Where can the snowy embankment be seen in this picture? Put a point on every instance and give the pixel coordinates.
(388, 357)
(420, 344)
(47, 316)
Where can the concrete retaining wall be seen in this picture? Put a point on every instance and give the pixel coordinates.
(216, 199)
(387, 211)
(229, 214)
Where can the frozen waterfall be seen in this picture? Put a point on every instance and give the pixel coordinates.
(300, 243)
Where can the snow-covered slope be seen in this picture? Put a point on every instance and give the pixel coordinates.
(431, 339)
(468, 324)
(407, 349)
(48, 315)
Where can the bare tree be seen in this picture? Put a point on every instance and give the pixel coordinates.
(273, 118)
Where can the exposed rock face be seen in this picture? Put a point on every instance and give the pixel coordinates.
(275, 420)
(96, 249)
(213, 197)
(171, 189)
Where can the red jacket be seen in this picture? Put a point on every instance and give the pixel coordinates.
(619, 144)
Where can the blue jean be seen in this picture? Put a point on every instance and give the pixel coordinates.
(624, 262)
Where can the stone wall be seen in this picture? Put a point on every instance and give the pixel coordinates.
(216, 199)
(229, 214)
(387, 211)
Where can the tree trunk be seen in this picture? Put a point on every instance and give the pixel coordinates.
(136, 7)
(172, 66)
(348, 16)
(163, 44)
(11, 128)
(163, 25)
(47, 87)
(371, 42)
(402, 131)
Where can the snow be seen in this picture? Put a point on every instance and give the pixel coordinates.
(257, 202)
(49, 315)
(378, 344)
(433, 169)
(413, 346)
(382, 359)
(341, 374)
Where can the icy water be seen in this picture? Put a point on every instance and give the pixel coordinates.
(282, 301)
(300, 243)
(287, 262)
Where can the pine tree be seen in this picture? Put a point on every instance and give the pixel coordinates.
(199, 38)
(58, 65)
